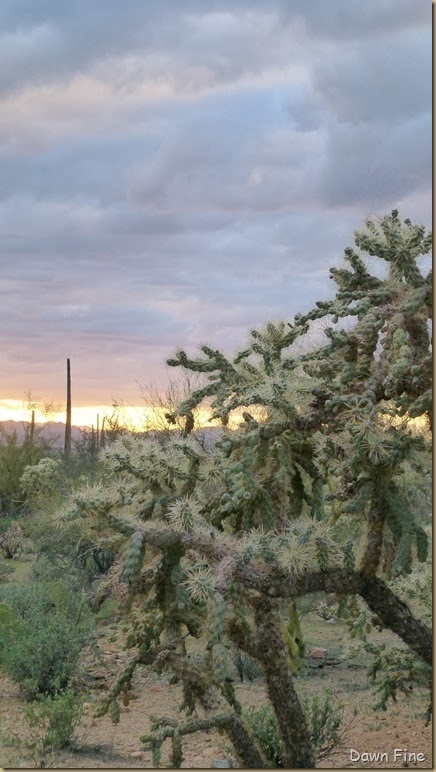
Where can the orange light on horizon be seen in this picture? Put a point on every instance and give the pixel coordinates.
(134, 417)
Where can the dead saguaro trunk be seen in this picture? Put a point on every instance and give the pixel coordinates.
(32, 430)
(102, 435)
(32, 437)
(67, 447)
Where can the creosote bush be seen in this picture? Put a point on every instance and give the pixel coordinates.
(42, 636)
(325, 722)
(52, 721)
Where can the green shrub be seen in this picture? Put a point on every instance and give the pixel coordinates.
(263, 726)
(51, 723)
(107, 610)
(5, 570)
(40, 650)
(56, 717)
(324, 719)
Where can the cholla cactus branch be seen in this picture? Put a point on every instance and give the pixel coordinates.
(275, 583)
(212, 700)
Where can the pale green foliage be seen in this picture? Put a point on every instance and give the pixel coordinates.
(38, 482)
(325, 727)
(41, 648)
(15, 456)
(52, 721)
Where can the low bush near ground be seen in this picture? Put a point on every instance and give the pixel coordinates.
(11, 541)
(324, 720)
(40, 647)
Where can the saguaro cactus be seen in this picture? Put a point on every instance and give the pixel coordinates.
(68, 419)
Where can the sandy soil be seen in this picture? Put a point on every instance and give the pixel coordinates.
(100, 744)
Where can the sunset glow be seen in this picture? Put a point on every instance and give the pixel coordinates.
(134, 417)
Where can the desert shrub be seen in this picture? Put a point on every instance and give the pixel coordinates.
(324, 719)
(108, 609)
(247, 668)
(57, 715)
(5, 570)
(11, 541)
(263, 726)
(15, 455)
(51, 722)
(40, 650)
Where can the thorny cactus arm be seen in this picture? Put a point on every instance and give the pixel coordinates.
(274, 583)
(144, 656)
(297, 753)
(199, 688)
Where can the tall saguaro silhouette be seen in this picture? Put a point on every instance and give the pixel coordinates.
(68, 421)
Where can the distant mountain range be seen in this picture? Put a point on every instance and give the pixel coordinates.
(54, 432)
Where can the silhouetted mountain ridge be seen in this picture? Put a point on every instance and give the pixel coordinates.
(54, 432)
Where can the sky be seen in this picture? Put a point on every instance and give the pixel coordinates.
(176, 173)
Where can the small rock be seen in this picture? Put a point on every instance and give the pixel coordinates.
(137, 755)
(220, 764)
(317, 653)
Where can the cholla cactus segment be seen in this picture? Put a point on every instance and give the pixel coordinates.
(322, 553)
(114, 712)
(92, 499)
(349, 556)
(257, 544)
(184, 514)
(199, 582)
(217, 617)
(133, 558)
(295, 558)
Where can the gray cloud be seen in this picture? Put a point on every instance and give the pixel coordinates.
(180, 172)
(395, 79)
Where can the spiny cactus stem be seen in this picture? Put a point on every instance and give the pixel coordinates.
(374, 539)
(224, 573)
(272, 583)
(212, 701)
(293, 729)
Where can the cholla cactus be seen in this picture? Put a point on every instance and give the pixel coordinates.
(233, 536)
(39, 480)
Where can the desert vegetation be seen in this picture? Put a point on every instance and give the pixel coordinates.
(208, 558)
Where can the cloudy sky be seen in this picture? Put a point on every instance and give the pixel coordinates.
(174, 173)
